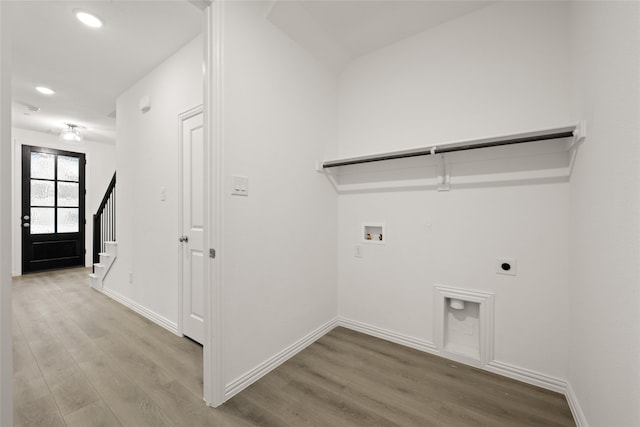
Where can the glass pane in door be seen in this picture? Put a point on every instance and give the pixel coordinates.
(68, 168)
(42, 220)
(42, 165)
(68, 220)
(42, 193)
(68, 194)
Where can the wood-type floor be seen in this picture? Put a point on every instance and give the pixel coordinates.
(81, 359)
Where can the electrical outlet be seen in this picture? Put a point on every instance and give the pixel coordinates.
(507, 266)
(239, 185)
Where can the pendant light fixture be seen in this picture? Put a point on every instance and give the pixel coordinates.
(71, 133)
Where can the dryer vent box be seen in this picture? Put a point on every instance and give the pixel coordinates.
(507, 266)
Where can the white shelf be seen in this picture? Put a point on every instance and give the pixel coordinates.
(449, 147)
(547, 157)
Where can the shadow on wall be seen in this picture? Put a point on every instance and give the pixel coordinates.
(525, 164)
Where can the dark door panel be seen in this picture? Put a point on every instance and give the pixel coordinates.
(53, 214)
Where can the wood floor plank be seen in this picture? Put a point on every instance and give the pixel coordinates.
(184, 409)
(387, 401)
(24, 364)
(29, 387)
(40, 412)
(269, 405)
(135, 364)
(51, 355)
(68, 332)
(126, 400)
(96, 414)
(71, 390)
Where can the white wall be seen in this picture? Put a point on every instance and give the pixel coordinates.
(501, 70)
(101, 164)
(605, 214)
(278, 244)
(147, 154)
(6, 370)
(453, 239)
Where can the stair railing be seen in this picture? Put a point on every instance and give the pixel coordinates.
(104, 221)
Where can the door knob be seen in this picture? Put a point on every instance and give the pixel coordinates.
(26, 225)
(183, 239)
(26, 217)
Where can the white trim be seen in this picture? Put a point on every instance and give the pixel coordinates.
(576, 409)
(6, 357)
(16, 199)
(213, 382)
(527, 376)
(141, 310)
(244, 381)
(387, 335)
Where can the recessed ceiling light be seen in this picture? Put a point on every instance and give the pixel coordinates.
(88, 19)
(45, 90)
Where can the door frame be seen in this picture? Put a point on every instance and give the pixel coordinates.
(182, 117)
(6, 362)
(213, 380)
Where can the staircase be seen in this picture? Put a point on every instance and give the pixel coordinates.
(101, 268)
(105, 248)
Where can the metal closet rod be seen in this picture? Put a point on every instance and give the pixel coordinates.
(564, 132)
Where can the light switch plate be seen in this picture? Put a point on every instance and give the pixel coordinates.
(239, 185)
(357, 251)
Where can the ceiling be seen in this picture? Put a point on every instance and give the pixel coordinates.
(336, 32)
(88, 68)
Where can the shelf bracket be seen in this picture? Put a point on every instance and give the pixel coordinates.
(579, 133)
(328, 174)
(443, 179)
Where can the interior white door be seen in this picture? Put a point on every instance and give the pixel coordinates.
(193, 251)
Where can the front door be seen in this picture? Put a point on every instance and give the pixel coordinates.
(193, 254)
(53, 216)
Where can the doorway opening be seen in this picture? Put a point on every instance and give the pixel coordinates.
(48, 131)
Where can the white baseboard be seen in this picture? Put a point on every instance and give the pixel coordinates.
(527, 376)
(576, 409)
(387, 335)
(244, 381)
(141, 310)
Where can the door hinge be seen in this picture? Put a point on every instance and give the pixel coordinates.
(212, 253)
